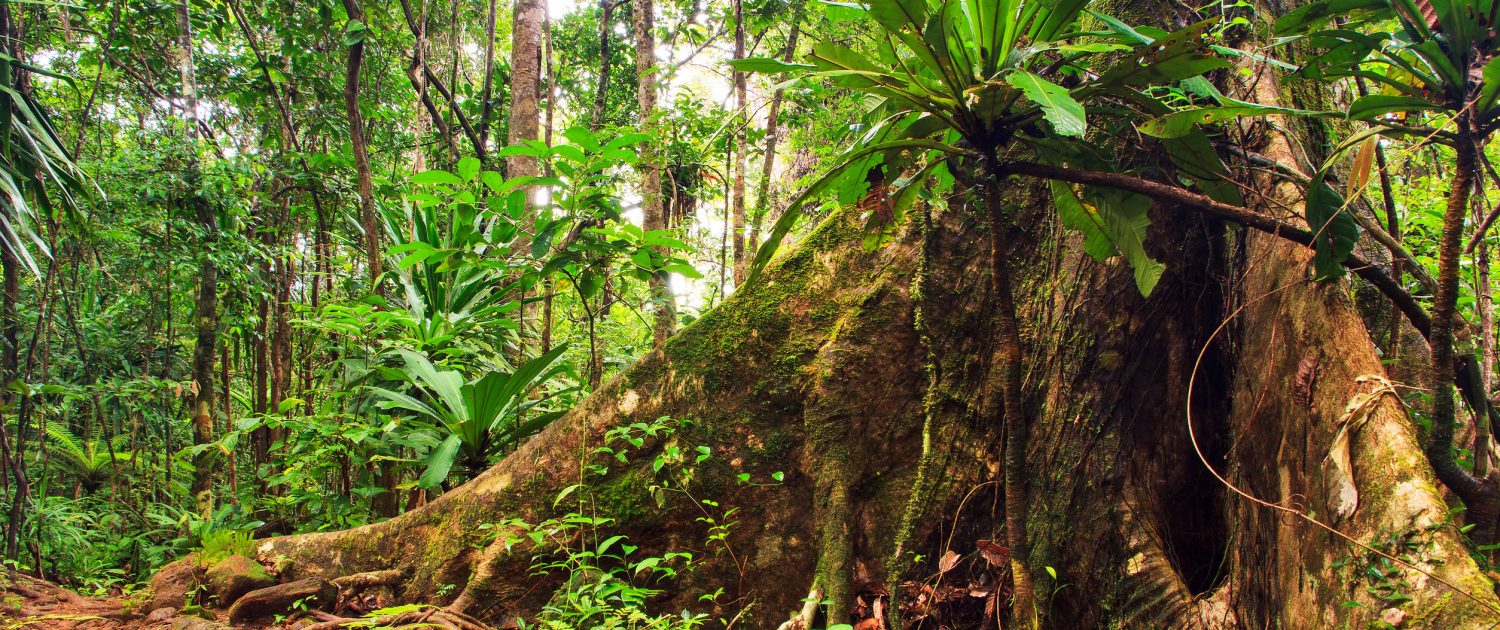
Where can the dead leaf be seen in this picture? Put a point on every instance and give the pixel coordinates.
(1359, 172)
(1338, 471)
(949, 560)
(996, 554)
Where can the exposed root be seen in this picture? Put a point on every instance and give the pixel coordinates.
(424, 618)
(804, 619)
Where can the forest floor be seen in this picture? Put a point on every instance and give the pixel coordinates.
(27, 602)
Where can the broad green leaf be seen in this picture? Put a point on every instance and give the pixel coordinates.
(1334, 229)
(1058, 106)
(440, 462)
(1194, 156)
(1179, 123)
(1489, 93)
(1084, 219)
(492, 180)
(767, 65)
(1377, 105)
(899, 15)
(1315, 14)
(1126, 219)
(436, 177)
(467, 168)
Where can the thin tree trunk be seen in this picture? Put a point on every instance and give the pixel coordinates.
(1007, 363)
(367, 218)
(653, 218)
(1477, 493)
(601, 91)
(487, 92)
(234, 482)
(773, 136)
(741, 154)
(206, 306)
(525, 84)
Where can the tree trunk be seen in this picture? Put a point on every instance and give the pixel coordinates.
(367, 217)
(817, 372)
(741, 151)
(643, 23)
(773, 130)
(601, 90)
(487, 92)
(525, 83)
(206, 317)
(1178, 448)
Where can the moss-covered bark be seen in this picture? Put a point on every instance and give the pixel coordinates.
(818, 371)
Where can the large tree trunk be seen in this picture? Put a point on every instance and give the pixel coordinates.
(817, 371)
(866, 378)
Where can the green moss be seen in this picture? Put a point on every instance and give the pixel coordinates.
(625, 497)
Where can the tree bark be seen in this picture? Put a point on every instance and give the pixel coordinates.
(487, 92)
(643, 24)
(601, 90)
(773, 137)
(368, 220)
(525, 84)
(206, 317)
(741, 152)
(817, 372)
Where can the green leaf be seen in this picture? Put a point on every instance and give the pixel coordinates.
(899, 15)
(439, 462)
(793, 211)
(355, 32)
(1489, 93)
(1183, 54)
(436, 177)
(1377, 105)
(1126, 220)
(1077, 216)
(565, 492)
(492, 180)
(1180, 123)
(1334, 229)
(467, 168)
(767, 65)
(1058, 106)
(1315, 14)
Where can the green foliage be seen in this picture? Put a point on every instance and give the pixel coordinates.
(92, 462)
(954, 82)
(481, 417)
(607, 583)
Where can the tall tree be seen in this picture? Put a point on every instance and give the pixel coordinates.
(601, 89)
(487, 92)
(742, 125)
(773, 137)
(355, 32)
(206, 316)
(525, 83)
(653, 216)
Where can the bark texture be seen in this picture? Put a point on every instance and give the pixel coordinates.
(525, 83)
(817, 371)
(205, 310)
(654, 217)
(1161, 434)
